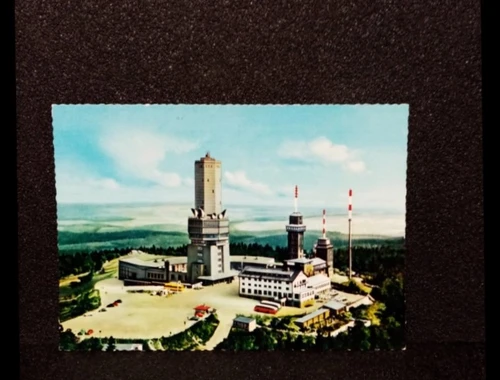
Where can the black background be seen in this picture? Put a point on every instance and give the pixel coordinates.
(424, 53)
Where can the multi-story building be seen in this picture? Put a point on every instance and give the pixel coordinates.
(134, 270)
(208, 254)
(276, 284)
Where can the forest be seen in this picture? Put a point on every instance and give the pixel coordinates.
(376, 262)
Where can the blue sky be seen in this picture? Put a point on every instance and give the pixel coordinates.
(146, 153)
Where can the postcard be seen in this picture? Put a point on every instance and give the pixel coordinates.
(231, 227)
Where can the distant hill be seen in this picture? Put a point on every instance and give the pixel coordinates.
(87, 240)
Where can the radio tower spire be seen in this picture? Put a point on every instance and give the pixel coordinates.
(349, 209)
(295, 198)
(324, 221)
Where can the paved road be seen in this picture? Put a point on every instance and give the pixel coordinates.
(222, 331)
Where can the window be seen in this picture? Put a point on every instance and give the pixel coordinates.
(242, 290)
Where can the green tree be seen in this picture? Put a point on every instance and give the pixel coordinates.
(111, 344)
(359, 337)
(90, 344)
(393, 297)
(68, 341)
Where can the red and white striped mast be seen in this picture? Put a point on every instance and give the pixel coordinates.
(349, 209)
(295, 198)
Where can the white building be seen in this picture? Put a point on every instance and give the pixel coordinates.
(244, 323)
(320, 283)
(270, 283)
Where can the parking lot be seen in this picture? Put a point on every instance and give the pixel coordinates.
(141, 315)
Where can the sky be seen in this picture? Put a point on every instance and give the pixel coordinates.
(146, 153)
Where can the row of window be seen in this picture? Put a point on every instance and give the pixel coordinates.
(264, 280)
(156, 276)
(266, 293)
(125, 272)
(266, 286)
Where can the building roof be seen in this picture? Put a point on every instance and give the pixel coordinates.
(304, 260)
(219, 276)
(317, 261)
(318, 279)
(148, 260)
(202, 308)
(301, 260)
(323, 242)
(270, 273)
(307, 317)
(176, 260)
(253, 259)
(243, 319)
(334, 305)
(144, 263)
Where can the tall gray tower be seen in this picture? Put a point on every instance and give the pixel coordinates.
(295, 229)
(208, 227)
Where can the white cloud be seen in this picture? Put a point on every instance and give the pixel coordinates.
(238, 180)
(139, 153)
(323, 150)
(356, 166)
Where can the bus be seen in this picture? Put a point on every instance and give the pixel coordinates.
(268, 309)
(174, 286)
(271, 303)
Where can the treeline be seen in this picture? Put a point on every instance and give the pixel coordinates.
(85, 302)
(82, 262)
(377, 262)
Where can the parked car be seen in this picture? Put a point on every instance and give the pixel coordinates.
(118, 301)
(111, 305)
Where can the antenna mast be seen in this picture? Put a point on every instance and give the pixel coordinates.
(295, 198)
(349, 209)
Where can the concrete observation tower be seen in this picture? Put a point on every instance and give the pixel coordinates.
(208, 227)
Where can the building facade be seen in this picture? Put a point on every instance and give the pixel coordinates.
(245, 323)
(135, 271)
(208, 227)
(320, 283)
(275, 284)
(318, 318)
(323, 249)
